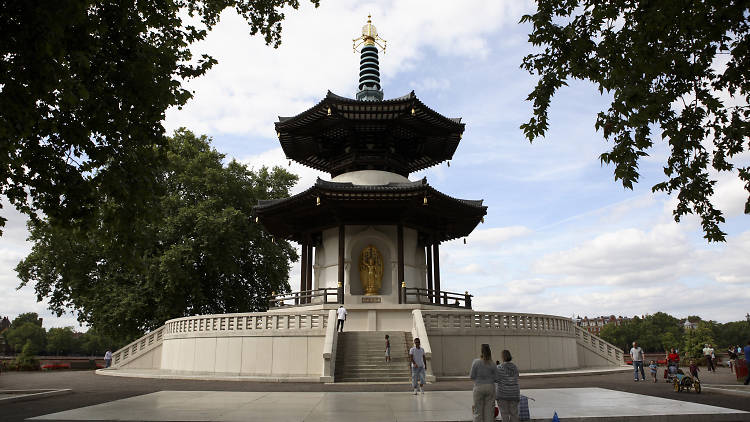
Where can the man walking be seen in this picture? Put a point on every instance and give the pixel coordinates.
(418, 366)
(107, 359)
(636, 353)
(708, 352)
(747, 361)
(341, 314)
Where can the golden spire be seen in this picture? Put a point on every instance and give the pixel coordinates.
(369, 37)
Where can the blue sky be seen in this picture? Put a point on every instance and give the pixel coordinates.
(561, 236)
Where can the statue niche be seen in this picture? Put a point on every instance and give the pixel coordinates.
(371, 270)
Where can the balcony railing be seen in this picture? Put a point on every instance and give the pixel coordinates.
(436, 297)
(307, 297)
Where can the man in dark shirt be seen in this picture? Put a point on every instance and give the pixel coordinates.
(747, 361)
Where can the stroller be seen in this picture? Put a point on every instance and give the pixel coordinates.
(671, 371)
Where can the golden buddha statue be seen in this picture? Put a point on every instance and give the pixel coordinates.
(371, 270)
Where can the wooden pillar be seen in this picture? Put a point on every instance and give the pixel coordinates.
(342, 239)
(436, 259)
(308, 270)
(303, 269)
(428, 254)
(400, 242)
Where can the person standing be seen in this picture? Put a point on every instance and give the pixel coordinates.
(508, 392)
(747, 361)
(636, 353)
(107, 359)
(708, 353)
(341, 317)
(732, 352)
(418, 366)
(484, 373)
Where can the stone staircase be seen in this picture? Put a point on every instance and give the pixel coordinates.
(360, 357)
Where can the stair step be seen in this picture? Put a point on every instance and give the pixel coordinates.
(360, 357)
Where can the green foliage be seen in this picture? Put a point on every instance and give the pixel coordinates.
(195, 251)
(26, 360)
(732, 333)
(93, 343)
(18, 335)
(83, 89)
(696, 339)
(31, 317)
(654, 333)
(657, 60)
(62, 341)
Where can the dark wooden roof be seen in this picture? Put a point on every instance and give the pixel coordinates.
(400, 135)
(443, 218)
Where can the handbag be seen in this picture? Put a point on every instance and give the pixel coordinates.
(523, 408)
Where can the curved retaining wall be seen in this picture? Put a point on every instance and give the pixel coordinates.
(537, 342)
(283, 346)
(300, 345)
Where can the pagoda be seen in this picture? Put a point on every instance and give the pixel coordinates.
(370, 234)
(370, 240)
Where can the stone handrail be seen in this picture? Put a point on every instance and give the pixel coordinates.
(497, 320)
(612, 353)
(138, 347)
(329, 348)
(244, 323)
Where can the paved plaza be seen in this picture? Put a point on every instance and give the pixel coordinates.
(118, 398)
(571, 404)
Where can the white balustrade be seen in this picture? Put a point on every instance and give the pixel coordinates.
(611, 352)
(223, 323)
(247, 322)
(434, 320)
(138, 347)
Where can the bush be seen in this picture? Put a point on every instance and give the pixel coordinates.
(26, 360)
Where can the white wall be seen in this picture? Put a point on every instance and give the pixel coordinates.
(267, 356)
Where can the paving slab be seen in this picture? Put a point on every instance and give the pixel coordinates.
(571, 404)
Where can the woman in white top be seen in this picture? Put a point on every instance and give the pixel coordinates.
(484, 374)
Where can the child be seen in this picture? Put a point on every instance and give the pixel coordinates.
(387, 348)
(652, 367)
(693, 369)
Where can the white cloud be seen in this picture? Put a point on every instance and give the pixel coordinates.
(253, 82)
(625, 257)
(497, 235)
(275, 157)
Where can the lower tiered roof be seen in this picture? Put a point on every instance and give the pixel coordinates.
(328, 204)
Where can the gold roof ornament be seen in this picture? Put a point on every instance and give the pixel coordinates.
(369, 37)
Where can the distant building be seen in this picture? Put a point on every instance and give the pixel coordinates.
(4, 324)
(595, 324)
(689, 325)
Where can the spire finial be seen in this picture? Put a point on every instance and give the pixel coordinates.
(369, 68)
(369, 37)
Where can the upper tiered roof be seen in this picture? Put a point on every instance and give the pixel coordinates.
(339, 135)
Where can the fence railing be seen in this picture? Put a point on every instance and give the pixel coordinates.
(497, 320)
(436, 297)
(138, 347)
(306, 297)
(257, 321)
(603, 348)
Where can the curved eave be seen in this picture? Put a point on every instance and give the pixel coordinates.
(444, 217)
(306, 136)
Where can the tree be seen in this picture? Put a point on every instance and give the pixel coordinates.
(93, 343)
(61, 341)
(26, 360)
(20, 334)
(197, 251)
(696, 339)
(83, 90)
(662, 64)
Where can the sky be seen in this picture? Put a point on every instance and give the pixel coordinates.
(560, 237)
